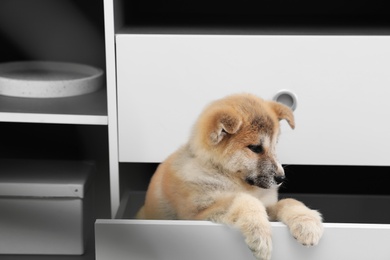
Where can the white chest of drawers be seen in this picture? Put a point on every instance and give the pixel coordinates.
(160, 80)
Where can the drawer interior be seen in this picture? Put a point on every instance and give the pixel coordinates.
(341, 208)
(343, 194)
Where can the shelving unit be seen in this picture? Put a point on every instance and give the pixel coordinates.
(70, 128)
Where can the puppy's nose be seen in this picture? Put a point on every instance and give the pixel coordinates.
(279, 179)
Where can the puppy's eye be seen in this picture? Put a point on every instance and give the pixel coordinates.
(256, 148)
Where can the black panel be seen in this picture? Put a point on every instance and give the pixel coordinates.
(253, 13)
(317, 179)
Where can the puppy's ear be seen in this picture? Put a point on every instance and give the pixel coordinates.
(283, 112)
(224, 123)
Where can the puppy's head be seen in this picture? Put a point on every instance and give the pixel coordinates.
(238, 135)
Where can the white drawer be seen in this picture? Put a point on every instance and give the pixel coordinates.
(342, 84)
(193, 240)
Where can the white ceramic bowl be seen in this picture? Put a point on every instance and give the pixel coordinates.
(43, 79)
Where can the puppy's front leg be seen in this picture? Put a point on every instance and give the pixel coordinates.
(247, 214)
(304, 224)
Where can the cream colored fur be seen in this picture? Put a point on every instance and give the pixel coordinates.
(219, 176)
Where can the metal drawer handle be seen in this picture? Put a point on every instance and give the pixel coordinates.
(286, 97)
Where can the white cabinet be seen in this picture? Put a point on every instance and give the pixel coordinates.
(341, 84)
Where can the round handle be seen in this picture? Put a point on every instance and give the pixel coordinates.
(286, 97)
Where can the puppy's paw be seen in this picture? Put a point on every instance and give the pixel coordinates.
(260, 243)
(307, 228)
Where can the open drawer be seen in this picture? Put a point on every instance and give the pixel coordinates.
(126, 238)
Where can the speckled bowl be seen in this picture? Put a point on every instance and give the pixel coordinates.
(42, 79)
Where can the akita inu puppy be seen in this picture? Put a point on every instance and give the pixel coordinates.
(228, 173)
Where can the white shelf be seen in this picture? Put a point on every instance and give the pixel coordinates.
(89, 109)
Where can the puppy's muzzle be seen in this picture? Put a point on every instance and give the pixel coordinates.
(279, 179)
(266, 182)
